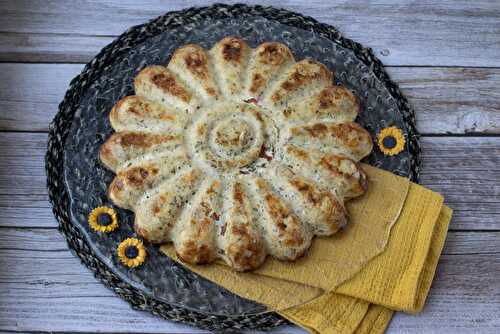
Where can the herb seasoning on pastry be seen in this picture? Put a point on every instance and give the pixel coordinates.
(236, 153)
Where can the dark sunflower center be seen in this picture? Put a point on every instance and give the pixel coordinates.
(389, 142)
(104, 219)
(131, 252)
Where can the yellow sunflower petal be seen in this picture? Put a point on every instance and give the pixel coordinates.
(141, 252)
(398, 136)
(94, 214)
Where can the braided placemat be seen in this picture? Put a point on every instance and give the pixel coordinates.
(60, 126)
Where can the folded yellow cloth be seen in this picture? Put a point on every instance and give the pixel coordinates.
(398, 279)
(350, 283)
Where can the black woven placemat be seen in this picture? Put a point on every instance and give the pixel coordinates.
(126, 44)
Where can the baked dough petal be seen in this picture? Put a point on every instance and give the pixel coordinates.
(122, 147)
(241, 240)
(300, 81)
(161, 85)
(286, 236)
(230, 59)
(158, 210)
(269, 62)
(194, 234)
(136, 113)
(341, 175)
(333, 103)
(191, 63)
(347, 139)
(318, 207)
(144, 173)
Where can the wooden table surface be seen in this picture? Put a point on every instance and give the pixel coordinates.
(445, 55)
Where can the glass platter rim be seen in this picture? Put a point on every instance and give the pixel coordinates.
(196, 11)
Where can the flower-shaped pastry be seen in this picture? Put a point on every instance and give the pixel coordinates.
(236, 153)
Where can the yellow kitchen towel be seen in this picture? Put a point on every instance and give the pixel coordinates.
(399, 278)
(375, 321)
(341, 314)
(321, 315)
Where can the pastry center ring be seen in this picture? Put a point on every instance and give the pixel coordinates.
(227, 136)
(231, 137)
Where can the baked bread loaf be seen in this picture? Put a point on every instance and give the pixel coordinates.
(236, 153)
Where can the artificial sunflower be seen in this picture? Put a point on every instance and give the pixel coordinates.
(391, 140)
(131, 252)
(103, 219)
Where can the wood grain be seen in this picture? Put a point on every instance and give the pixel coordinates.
(70, 299)
(452, 100)
(466, 170)
(446, 100)
(31, 93)
(53, 48)
(444, 33)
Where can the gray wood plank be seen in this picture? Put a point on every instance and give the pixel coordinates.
(52, 48)
(464, 169)
(455, 300)
(446, 33)
(30, 94)
(46, 289)
(452, 100)
(446, 100)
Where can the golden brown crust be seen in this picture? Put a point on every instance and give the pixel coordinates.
(124, 146)
(258, 83)
(193, 64)
(138, 106)
(157, 212)
(195, 242)
(238, 194)
(249, 252)
(230, 57)
(355, 177)
(192, 252)
(335, 98)
(269, 60)
(135, 113)
(244, 248)
(273, 53)
(316, 206)
(233, 49)
(288, 239)
(284, 219)
(131, 182)
(349, 139)
(303, 73)
(167, 82)
(140, 139)
(333, 214)
(163, 79)
(346, 175)
(333, 103)
(195, 59)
